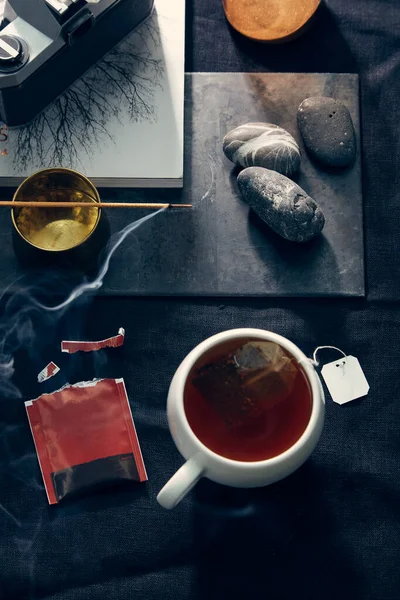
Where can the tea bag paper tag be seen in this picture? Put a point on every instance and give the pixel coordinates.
(345, 379)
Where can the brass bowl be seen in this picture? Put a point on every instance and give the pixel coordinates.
(56, 229)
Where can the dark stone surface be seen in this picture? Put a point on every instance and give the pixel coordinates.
(281, 204)
(221, 248)
(327, 130)
(263, 145)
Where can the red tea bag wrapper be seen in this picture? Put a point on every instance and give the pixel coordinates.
(85, 436)
(70, 347)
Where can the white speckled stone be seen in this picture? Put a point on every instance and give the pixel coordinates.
(263, 145)
(281, 203)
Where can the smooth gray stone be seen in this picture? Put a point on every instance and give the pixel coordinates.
(281, 203)
(263, 145)
(327, 130)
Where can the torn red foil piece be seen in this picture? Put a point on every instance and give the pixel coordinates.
(49, 371)
(113, 342)
(84, 437)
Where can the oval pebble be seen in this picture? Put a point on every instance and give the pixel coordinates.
(263, 145)
(281, 203)
(327, 129)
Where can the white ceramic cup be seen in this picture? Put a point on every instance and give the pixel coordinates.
(203, 462)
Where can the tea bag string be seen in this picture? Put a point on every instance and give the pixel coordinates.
(316, 362)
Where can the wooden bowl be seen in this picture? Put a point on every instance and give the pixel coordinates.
(271, 21)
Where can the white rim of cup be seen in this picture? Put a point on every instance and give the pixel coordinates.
(302, 360)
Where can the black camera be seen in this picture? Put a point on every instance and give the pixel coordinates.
(45, 45)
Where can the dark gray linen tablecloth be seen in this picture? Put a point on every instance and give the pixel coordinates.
(332, 530)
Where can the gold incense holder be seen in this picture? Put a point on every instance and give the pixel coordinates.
(56, 229)
(272, 21)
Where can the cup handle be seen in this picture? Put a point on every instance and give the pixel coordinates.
(181, 483)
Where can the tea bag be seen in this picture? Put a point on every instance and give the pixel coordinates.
(247, 382)
(268, 372)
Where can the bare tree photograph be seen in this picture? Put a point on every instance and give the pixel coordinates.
(123, 82)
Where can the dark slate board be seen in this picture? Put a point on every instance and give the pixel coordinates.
(220, 248)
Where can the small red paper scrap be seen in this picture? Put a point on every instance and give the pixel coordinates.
(48, 372)
(113, 342)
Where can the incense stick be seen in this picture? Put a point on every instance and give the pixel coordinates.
(151, 205)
